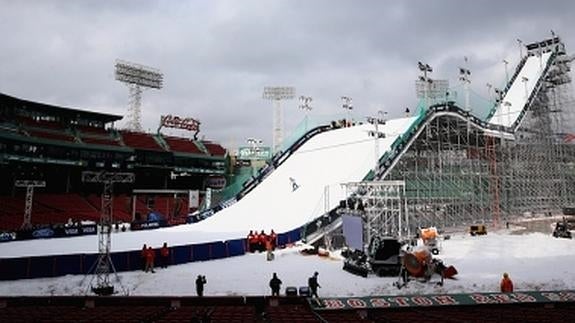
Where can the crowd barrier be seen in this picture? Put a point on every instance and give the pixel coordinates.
(81, 264)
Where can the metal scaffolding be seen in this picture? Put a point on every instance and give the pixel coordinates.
(457, 174)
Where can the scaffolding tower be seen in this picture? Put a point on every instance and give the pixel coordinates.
(457, 174)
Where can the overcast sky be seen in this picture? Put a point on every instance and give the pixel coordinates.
(217, 56)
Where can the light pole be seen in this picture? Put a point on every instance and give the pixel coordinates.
(489, 87)
(465, 78)
(376, 121)
(276, 94)
(347, 105)
(305, 104)
(525, 80)
(425, 68)
(520, 43)
(255, 147)
(505, 62)
(507, 104)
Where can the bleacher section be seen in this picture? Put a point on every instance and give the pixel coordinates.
(182, 145)
(140, 140)
(259, 309)
(58, 208)
(214, 149)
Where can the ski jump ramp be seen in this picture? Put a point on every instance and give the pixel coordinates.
(317, 166)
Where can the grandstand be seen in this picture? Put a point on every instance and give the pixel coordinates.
(56, 144)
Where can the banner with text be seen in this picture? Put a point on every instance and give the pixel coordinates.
(442, 300)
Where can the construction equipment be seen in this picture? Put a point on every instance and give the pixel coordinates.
(478, 230)
(562, 230)
(420, 265)
(382, 258)
(430, 237)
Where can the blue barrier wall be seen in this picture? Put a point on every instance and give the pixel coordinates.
(78, 264)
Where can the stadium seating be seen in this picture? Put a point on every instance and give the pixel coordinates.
(140, 140)
(59, 136)
(214, 149)
(100, 141)
(182, 145)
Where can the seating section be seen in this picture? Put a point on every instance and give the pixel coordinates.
(140, 140)
(100, 141)
(291, 313)
(215, 149)
(253, 309)
(231, 314)
(58, 208)
(182, 145)
(60, 136)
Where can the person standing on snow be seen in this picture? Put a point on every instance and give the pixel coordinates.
(200, 282)
(164, 255)
(275, 285)
(313, 284)
(150, 256)
(506, 284)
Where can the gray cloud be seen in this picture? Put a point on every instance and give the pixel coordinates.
(218, 55)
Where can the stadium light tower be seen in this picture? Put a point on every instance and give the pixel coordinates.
(305, 104)
(465, 78)
(376, 121)
(104, 264)
(505, 62)
(276, 94)
(137, 77)
(426, 80)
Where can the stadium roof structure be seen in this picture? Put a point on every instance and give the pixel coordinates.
(62, 111)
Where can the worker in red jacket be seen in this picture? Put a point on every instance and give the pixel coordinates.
(150, 256)
(252, 241)
(506, 284)
(164, 255)
(274, 239)
(262, 237)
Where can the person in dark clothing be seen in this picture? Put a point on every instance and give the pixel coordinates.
(275, 285)
(164, 255)
(200, 282)
(143, 256)
(313, 284)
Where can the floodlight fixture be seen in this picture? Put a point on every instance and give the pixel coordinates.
(276, 94)
(347, 103)
(520, 43)
(525, 80)
(305, 102)
(506, 63)
(424, 67)
(137, 77)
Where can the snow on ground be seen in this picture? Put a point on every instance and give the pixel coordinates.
(535, 261)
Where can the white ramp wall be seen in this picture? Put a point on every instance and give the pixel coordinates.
(519, 92)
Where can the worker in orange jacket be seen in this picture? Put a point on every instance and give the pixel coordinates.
(506, 284)
(252, 241)
(164, 255)
(262, 237)
(273, 237)
(150, 256)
